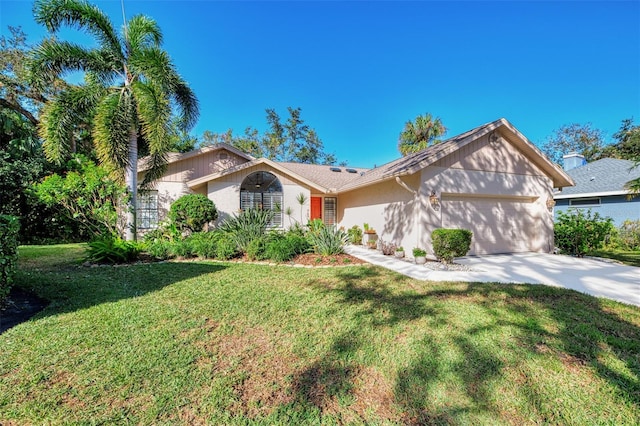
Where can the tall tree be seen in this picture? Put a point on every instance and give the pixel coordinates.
(292, 140)
(420, 133)
(627, 145)
(580, 138)
(130, 83)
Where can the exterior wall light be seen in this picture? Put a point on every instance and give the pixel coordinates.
(550, 203)
(434, 200)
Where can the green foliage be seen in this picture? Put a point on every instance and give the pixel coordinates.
(629, 235)
(87, 194)
(286, 247)
(580, 138)
(159, 248)
(355, 235)
(419, 134)
(578, 232)
(315, 225)
(328, 240)
(113, 250)
(247, 226)
(226, 247)
(192, 212)
(9, 228)
(292, 140)
(418, 252)
(256, 249)
(450, 243)
(204, 244)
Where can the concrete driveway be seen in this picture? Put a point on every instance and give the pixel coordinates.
(598, 278)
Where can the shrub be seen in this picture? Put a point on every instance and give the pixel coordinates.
(629, 235)
(355, 235)
(192, 211)
(247, 226)
(315, 225)
(113, 250)
(578, 233)
(450, 243)
(256, 250)
(328, 240)
(204, 244)
(418, 252)
(9, 227)
(226, 247)
(286, 248)
(160, 249)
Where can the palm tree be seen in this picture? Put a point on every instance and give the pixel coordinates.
(418, 135)
(131, 87)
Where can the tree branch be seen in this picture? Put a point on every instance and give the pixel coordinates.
(19, 109)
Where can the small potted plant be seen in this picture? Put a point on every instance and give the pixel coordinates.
(420, 256)
(369, 234)
(372, 244)
(399, 252)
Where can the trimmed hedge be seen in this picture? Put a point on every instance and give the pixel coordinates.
(9, 227)
(192, 211)
(450, 243)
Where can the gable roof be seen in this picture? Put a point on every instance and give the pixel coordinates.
(326, 181)
(602, 177)
(174, 157)
(305, 173)
(414, 162)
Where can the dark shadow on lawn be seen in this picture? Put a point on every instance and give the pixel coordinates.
(586, 328)
(69, 286)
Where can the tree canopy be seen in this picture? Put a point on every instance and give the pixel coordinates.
(420, 133)
(292, 140)
(580, 138)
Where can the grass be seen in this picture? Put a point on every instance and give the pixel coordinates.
(628, 257)
(230, 343)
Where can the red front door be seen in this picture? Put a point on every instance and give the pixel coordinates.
(316, 208)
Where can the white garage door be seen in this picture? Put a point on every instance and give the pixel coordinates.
(499, 225)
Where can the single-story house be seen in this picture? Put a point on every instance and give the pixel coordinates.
(599, 186)
(491, 180)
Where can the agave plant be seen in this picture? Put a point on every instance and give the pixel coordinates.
(328, 240)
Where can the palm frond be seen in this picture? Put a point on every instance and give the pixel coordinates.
(52, 58)
(155, 65)
(154, 112)
(79, 14)
(61, 116)
(142, 32)
(115, 117)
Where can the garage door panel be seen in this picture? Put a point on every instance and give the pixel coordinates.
(498, 225)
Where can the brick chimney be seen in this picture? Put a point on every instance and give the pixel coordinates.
(573, 160)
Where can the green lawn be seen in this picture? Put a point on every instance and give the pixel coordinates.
(229, 343)
(627, 257)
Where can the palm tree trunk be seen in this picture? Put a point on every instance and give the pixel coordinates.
(131, 181)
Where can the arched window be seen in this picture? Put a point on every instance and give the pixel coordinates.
(262, 190)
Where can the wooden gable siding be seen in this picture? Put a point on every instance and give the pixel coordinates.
(201, 165)
(480, 155)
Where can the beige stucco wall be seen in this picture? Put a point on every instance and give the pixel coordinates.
(225, 193)
(494, 189)
(387, 207)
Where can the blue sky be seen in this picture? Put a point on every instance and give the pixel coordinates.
(360, 70)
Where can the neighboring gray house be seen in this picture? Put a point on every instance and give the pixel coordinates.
(600, 187)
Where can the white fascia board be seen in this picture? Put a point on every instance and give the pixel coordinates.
(560, 196)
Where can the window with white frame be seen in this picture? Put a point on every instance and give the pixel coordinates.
(262, 190)
(330, 210)
(147, 210)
